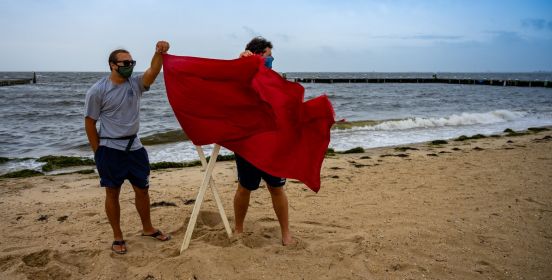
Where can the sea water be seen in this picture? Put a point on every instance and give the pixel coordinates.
(47, 118)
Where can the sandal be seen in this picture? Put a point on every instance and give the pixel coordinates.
(157, 234)
(119, 243)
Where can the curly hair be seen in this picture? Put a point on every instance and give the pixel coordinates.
(258, 45)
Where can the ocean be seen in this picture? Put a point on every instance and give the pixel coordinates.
(47, 118)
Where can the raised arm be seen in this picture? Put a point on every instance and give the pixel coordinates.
(156, 63)
(246, 53)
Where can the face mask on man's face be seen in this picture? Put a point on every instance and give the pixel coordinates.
(125, 71)
(268, 61)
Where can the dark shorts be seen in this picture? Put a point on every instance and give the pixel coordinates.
(250, 176)
(114, 166)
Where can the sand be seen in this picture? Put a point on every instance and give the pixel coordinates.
(479, 209)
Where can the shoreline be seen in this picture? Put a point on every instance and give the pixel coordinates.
(169, 144)
(61, 164)
(474, 209)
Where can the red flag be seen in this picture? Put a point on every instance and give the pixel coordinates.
(213, 99)
(288, 138)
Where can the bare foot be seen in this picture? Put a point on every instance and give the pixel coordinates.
(238, 231)
(288, 240)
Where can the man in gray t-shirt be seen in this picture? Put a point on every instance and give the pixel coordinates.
(119, 155)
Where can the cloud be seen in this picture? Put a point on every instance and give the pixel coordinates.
(536, 24)
(505, 36)
(434, 37)
(428, 37)
(251, 32)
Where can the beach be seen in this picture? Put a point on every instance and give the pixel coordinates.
(474, 209)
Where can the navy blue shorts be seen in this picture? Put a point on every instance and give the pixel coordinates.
(115, 166)
(250, 176)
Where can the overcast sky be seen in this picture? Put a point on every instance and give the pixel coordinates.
(310, 35)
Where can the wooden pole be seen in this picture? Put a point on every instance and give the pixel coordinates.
(215, 192)
(200, 197)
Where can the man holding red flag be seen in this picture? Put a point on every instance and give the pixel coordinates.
(249, 176)
(248, 108)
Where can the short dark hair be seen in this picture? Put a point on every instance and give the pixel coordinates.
(258, 45)
(113, 56)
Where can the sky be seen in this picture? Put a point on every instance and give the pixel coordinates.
(308, 35)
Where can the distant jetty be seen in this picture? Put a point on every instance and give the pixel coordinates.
(435, 80)
(18, 81)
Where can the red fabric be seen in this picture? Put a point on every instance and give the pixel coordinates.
(252, 111)
(213, 99)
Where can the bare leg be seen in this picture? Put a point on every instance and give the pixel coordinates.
(113, 211)
(241, 204)
(280, 204)
(142, 201)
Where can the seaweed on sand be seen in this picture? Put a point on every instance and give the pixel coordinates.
(22, 174)
(57, 162)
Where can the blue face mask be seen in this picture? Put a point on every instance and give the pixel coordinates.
(268, 61)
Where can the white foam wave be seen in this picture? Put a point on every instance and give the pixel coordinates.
(497, 116)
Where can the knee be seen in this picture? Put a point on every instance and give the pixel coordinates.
(276, 191)
(141, 192)
(112, 193)
(242, 191)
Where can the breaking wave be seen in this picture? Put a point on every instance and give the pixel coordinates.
(462, 119)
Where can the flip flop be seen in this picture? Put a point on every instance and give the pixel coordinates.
(156, 234)
(119, 243)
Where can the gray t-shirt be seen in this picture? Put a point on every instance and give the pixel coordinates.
(118, 109)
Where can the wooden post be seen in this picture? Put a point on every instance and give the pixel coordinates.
(200, 197)
(215, 192)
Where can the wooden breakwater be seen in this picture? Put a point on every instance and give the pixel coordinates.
(13, 82)
(489, 82)
(18, 81)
